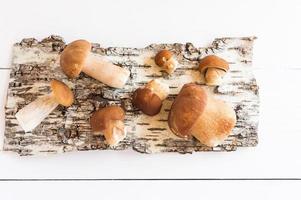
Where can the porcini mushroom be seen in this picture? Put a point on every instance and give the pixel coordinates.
(166, 60)
(214, 68)
(108, 121)
(196, 113)
(149, 98)
(77, 57)
(34, 113)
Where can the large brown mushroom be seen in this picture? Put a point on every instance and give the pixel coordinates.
(166, 60)
(149, 98)
(77, 57)
(34, 113)
(196, 113)
(213, 68)
(108, 121)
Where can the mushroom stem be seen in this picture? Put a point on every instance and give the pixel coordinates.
(215, 123)
(171, 65)
(204, 131)
(34, 113)
(214, 76)
(106, 72)
(115, 132)
(159, 88)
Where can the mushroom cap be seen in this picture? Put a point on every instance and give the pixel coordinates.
(147, 101)
(162, 57)
(62, 93)
(74, 56)
(186, 108)
(101, 119)
(213, 61)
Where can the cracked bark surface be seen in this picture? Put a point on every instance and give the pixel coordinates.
(35, 63)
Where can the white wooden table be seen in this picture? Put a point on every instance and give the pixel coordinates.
(277, 66)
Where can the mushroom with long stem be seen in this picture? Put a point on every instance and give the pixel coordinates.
(108, 121)
(34, 113)
(77, 57)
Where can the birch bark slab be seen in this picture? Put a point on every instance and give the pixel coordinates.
(35, 63)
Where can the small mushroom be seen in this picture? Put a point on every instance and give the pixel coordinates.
(77, 57)
(149, 98)
(214, 68)
(196, 113)
(34, 113)
(166, 60)
(108, 121)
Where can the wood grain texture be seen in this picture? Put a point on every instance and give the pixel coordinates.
(35, 63)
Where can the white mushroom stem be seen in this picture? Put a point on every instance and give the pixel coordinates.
(214, 76)
(34, 113)
(115, 132)
(171, 65)
(105, 71)
(159, 88)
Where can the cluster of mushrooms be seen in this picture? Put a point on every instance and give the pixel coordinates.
(194, 112)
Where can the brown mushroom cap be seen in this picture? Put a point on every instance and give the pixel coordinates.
(213, 61)
(186, 108)
(147, 101)
(73, 57)
(162, 57)
(62, 93)
(101, 119)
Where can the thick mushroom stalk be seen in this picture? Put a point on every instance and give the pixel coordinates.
(214, 76)
(108, 121)
(114, 132)
(195, 113)
(214, 69)
(77, 57)
(34, 113)
(150, 97)
(105, 71)
(166, 60)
